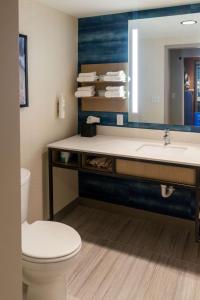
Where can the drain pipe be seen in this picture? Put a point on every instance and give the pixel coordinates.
(167, 191)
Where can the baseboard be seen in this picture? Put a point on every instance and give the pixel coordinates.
(136, 213)
(68, 208)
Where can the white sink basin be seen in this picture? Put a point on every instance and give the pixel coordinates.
(153, 149)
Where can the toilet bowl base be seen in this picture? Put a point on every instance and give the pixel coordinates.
(56, 290)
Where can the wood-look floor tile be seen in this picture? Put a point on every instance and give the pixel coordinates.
(197, 287)
(160, 284)
(142, 269)
(71, 297)
(114, 278)
(191, 250)
(79, 262)
(86, 267)
(127, 259)
(118, 283)
(144, 235)
(104, 225)
(98, 274)
(77, 217)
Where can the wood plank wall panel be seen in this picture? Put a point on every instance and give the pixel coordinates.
(110, 105)
(156, 171)
(102, 104)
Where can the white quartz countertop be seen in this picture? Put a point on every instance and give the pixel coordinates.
(128, 148)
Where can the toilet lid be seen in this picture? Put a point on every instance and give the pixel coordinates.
(48, 240)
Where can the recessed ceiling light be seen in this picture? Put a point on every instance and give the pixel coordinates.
(189, 22)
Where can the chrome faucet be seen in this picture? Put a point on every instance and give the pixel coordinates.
(166, 137)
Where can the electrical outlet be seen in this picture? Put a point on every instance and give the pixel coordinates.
(120, 120)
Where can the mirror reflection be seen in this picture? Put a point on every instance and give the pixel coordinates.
(164, 70)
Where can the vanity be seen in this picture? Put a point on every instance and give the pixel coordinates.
(162, 64)
(175, 165)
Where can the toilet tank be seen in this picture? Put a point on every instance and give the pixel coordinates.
(25, 182)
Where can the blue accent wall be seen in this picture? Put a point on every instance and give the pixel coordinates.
(104, 39)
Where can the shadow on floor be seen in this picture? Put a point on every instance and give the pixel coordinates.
(170, 245)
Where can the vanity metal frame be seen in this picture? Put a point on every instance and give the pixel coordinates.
(79, 167)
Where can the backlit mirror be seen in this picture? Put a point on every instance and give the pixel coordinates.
(164, 70)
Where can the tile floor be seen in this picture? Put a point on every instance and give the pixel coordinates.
(123, 258)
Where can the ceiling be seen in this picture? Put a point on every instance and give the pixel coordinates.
(84, 8)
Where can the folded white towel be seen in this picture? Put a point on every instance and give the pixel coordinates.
(115, 88)
(115, 94)
(87, 79)
(82, 94)
(118, 73)
(114, 78)
(91, 74)
(87, 88)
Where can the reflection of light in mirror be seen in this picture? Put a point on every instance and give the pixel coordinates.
(135, 71)
(189, 22)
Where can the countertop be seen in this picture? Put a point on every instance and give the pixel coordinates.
(128, 148)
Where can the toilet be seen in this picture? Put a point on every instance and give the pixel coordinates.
(48, 249)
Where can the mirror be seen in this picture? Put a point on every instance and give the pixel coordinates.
(164, 70)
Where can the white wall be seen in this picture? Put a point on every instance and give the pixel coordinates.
(52, 63)
(10, 220)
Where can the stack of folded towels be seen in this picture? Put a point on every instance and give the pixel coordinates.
(115, 76)
(85, 91)
(87, 77)
(115, 92)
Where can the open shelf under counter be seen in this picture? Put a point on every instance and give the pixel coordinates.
(73, 161)
(105, 166)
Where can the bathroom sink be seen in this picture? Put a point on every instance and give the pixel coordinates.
(161, 149)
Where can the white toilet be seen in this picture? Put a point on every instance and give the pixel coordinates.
(47, 249)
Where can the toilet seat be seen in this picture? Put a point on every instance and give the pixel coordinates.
(39, 261)
(45, 242)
